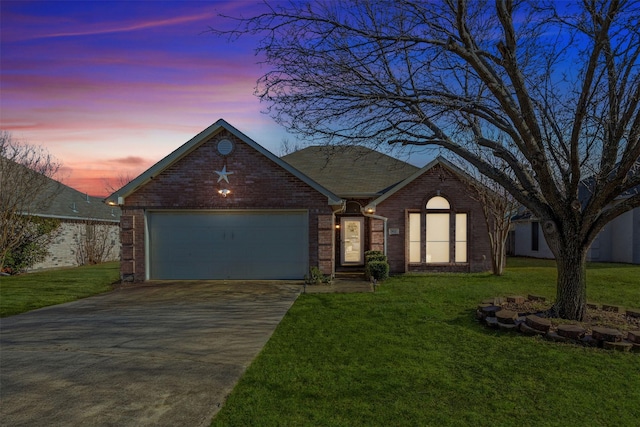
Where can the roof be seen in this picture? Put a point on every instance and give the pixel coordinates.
(60, 201)
(585, 189)
(68, 203)
(188, 147)
(350, 171)
(438, 161)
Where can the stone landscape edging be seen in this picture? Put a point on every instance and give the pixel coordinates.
(492, 314)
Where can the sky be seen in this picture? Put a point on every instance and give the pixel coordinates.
(111, 87)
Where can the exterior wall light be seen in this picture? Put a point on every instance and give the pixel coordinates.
(224, 192)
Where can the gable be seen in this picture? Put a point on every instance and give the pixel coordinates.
(197, 167)
(449, 171)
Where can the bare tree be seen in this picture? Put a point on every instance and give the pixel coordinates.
(558, 81)
(287, 147)
(498, 206)
(114, 184)
(26, 188)
(94, 242)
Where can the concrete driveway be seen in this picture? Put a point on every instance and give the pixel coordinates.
(163, 354)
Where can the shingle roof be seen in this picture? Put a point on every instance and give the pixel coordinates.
(350, 171)
(56, 200)
(68, 203)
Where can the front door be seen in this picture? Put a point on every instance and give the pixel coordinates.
(352, 230)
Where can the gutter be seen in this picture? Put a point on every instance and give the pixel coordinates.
(74, 218)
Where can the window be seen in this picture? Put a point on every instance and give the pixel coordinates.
(414, 237)
(438, 202)
(535, 242)
(437, 237)
(461, 237)
(438, 224)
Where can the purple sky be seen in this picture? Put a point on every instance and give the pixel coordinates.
(111, 87)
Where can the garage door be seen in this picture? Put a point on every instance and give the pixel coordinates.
(228, 245)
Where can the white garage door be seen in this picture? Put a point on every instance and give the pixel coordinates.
(228, 245)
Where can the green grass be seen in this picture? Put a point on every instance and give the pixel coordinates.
(40, 289)
(411, 354)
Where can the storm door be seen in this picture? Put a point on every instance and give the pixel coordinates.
(352, 230)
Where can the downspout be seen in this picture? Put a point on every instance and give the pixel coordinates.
(336, 210)
(368, 212)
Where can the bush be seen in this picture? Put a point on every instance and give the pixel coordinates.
(37, 235)
(379, 270)
(315, 277)
(374, 256)
(376, 265)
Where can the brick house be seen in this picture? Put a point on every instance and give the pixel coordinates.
(422, 219)
(223, 207)
(78, 214)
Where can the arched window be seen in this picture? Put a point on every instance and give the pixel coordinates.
(438, 202)
(437, 226)
(440, 224)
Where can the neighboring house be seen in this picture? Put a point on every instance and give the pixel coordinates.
(223, 207)
(618, 241)
(526, 237)
(77, 211)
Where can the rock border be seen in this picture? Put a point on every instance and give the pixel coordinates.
(492, 314)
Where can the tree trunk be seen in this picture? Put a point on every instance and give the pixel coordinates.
(498, 258)
(571, 294)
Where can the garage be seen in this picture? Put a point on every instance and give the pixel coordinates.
(196, 245)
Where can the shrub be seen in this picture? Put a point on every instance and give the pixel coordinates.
(94, 243)
(374, 256)
(37, 235)
(376, 265)
(379, 270)
(315, 277)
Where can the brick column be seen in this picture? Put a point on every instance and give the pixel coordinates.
(127, 249)
(326, 252)
(377, 234)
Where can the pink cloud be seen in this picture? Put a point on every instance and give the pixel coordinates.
(131, 160)
(134, 26)
(45, 27)
(116, 95)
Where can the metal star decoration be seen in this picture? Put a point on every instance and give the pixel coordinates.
(223, 174)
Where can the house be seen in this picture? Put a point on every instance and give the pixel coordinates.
(81, 216)
(618, 241)
(221, 206)
(77, 213)
(422, 219)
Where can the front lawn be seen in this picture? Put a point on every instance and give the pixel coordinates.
(411, 354)
(40, 289)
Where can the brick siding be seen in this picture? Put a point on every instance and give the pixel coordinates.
(192, 184)
(414, 197)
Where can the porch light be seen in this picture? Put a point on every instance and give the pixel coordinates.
(337, 226)
(224, 192)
